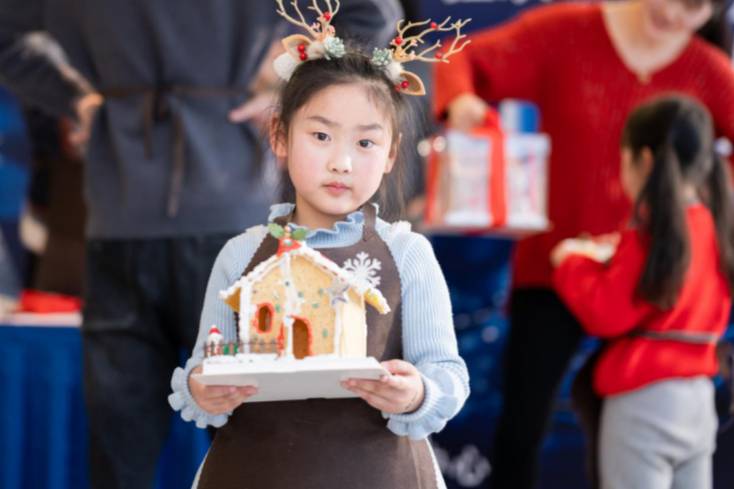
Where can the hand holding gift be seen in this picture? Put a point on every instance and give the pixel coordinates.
(600, 248)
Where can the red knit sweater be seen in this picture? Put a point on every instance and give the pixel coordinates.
(602, 297)
(561, 57)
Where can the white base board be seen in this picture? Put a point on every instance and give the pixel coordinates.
(288, 379)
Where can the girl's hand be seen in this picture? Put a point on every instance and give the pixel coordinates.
(218, 399)
(466, 112)
(258, 109)
(560, 252)
(599, 249)
(401, 392)
(611, 239)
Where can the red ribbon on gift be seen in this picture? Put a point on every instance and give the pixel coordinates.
(496, 194)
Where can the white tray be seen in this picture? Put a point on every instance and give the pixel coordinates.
(284, 380)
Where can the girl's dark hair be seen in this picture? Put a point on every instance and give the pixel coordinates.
(678, 131)
(717, 30)
(313, 76)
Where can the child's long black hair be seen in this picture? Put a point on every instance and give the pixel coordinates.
(679, 133)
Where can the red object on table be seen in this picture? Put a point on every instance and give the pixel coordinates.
(47, 302)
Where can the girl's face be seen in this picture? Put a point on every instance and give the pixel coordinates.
(634, 171)
(339, 147)
(665, 19)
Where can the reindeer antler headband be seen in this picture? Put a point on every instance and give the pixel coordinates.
(403, 50)
(323, 43)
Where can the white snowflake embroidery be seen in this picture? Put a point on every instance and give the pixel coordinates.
(364, 268)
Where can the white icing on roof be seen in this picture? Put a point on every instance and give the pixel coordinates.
(363, 288)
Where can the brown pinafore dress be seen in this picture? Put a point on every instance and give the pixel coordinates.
(324, 443)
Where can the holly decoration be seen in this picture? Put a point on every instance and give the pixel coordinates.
(299, 234)
(276, 230)
(288, 239)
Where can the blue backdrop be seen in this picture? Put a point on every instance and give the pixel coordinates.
(43, 435)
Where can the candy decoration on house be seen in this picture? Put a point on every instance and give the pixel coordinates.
(304, 303)
(289, 240)
(214, 342)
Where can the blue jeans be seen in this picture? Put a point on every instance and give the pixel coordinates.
(143, 299)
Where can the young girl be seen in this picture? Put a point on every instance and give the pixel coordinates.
(662, 301)
(337, 132)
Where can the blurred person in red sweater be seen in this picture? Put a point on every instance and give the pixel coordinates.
(662, 301)
(585, 66)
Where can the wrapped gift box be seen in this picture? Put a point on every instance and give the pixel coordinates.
(487, 181)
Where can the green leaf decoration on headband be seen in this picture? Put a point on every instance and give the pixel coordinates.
(299, 234)
(381, 57)
(333, 48)
(276, 230)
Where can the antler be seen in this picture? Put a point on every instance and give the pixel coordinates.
(404, 44)
(331, 11)
(317, 30)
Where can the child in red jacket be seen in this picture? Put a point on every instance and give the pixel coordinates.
(662, 300)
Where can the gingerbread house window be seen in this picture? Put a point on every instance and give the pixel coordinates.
(264, 318)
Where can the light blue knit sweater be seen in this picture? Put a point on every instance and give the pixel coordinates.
(429, 341)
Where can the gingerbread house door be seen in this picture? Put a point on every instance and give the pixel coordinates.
(301, 338)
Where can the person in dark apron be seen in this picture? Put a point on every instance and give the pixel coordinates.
(662, 302)
(338, 133)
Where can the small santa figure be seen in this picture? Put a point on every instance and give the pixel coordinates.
(214, 341)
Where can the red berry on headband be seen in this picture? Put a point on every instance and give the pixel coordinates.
(301, 48)
(398, 40)
(303, 56)
(434, 25)
(439, 55)
(327, 16)
(404, 84)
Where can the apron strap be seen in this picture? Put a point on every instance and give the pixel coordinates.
(283, 220)
(370, 216)
(156, 108)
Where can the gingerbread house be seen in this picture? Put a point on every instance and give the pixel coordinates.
(299, 304)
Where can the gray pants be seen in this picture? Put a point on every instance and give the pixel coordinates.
(659, 437)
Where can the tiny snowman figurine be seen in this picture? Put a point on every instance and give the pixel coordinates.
(214, 342)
